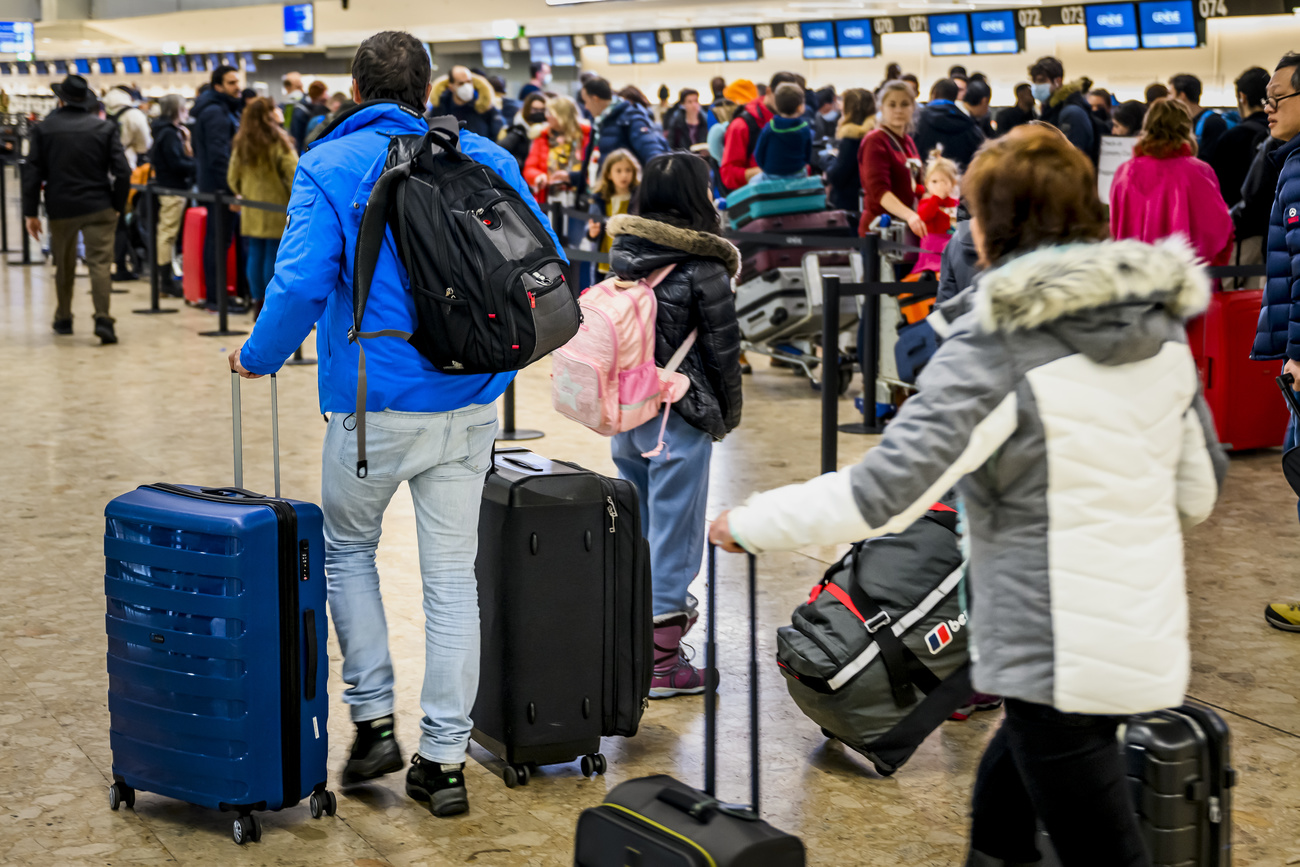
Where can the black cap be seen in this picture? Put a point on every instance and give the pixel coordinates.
(74, 91)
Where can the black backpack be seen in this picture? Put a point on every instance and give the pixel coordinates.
(488, 282)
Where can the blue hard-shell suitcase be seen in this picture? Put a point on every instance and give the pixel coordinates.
(217, 659)
(774, 198)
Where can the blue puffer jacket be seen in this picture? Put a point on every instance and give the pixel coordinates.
(1278, 332)
(313, 274)
(630, 127)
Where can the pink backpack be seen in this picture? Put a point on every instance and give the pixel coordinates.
(605, 378)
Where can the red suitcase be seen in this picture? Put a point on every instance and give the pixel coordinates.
(1241, 392)
(768, 259)
(193, 236)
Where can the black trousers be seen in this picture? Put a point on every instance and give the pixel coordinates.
(212, 244)
(1065, 769)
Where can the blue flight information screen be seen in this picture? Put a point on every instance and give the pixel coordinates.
(620, 48)
(562, 51)
(539, 49)
(818, 39)
(708, 45)
(856, 38)
(1168, 24)
(130, 65)
(17, 37)
(949, 34)
(740, 43)
(645, 47)
(994, 32)
(492, 57)
(83, 66)
(299, 24)
(1112, 27)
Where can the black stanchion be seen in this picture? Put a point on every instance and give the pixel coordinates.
(830, 369)
(26, 260)
(217, 214)
(298, 360)
(4, 208)
(149, 210)
(869, 351)
(508, 430)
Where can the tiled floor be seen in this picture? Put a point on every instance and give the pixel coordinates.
(85, 423)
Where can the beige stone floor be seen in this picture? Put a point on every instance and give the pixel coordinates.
(86, 423)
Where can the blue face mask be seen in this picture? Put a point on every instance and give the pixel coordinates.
(1041, 92)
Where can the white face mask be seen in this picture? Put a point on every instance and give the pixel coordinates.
(1041, 92)
(547, 78)
(465, 91)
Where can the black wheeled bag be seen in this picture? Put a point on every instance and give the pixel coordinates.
(564, 604)
(878, 655)
(660, 822)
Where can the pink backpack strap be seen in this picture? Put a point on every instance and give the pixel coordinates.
(673, 363)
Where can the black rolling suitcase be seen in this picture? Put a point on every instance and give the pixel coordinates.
(660, 822)
(564, 601)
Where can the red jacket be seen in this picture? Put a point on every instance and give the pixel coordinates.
(737, 150)
(884, 169)
(539, 158)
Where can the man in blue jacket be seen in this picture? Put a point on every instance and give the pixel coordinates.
(433, 431)
(620, 125)
(1278, 334)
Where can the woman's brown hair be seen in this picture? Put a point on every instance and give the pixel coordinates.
(259, 135)
(1166, 131)
(859, 104)
(1032, 188)
(607, 185)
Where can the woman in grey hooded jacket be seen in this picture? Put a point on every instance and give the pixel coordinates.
(1066, 408)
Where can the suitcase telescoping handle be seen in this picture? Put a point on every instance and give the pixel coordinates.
(711, 682)
(239, 437)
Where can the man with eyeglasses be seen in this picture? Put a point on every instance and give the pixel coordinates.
(1278, 333)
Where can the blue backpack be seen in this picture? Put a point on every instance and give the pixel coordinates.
(1231, 118)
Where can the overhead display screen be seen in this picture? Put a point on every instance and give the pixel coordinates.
(492, 57)
(250, 64)
(1112, 27)
(949, 34)
(620, 48)
(818, 39)
(995, 32)
(42, 68)
(539, 49)
(562, 53)
(106, 66)
(83, 66)
(17, 37)
(856, 38)
(198, 63)
(182, 63)
(645, 47)
(130, 65)
(708, 45)
(1168, 24)
(740, 43)
(155, 64)
(299, 24)
(60, 67)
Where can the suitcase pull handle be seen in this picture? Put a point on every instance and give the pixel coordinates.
(236, 423)
(309, 629)
(700, 809)
(242, 492)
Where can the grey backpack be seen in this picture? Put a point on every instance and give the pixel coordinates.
(878, 655)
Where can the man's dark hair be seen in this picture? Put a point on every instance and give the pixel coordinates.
(912, 78)
(977, 92)
(1188, 85)
(664, 93)
(1253, 85)
(978, 76)
(687, 91)
(1024, 85)
(826, 96)
(392, 65)
(1048, 67)
(219, 74)
(535, 68)
(1130, 114)
(786, 78)
(717, 84)
(1154, 92)
(598, 87)
(945, 88)
(788, 98)
(957, 71)
(498, 83)
(1291, 59)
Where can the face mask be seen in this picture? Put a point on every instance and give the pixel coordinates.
(831, 115)
(536, 117)
(546, 79)
(465, 91)
(1040, 92)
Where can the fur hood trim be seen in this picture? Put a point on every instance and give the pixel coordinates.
(686, 240)
(482, 87)
(856, 130)
(1065, 91)
(1054, 282)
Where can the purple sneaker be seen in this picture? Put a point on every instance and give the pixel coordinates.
(978, 701)
(673, 672)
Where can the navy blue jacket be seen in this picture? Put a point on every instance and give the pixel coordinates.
(784, 147)
(215, 122)
(629, 126)
(1278, 332)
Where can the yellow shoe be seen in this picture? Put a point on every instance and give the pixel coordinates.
(1283, 616)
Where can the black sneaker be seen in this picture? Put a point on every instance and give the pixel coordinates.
(63, 326)
(104, 330)
(124, 276)
(374, 752)
(440, 788)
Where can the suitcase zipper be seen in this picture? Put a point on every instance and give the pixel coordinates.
(613, 514)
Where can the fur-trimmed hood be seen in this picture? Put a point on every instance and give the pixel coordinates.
(662, 235)
(1065, 91)
(483, 92)
(1107, 300)
(855, 130)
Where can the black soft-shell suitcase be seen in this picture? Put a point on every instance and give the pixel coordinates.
(564, 601)
(660, 822)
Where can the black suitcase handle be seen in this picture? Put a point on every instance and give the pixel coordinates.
(1284, 382)
(313, 649)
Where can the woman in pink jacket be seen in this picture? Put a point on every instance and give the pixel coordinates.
(1165, 190)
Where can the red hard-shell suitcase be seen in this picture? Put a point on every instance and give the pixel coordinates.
(1241, 392)
(193, 236)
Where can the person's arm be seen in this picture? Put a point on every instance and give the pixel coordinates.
(719, 341)
(735, 155)
(307, 270)
(1202, 465)
(1077, 127)
(966, 409)
(894, 206)
(143, 137)
(120, 169)
(951, 266)
(34, 173)
(647, 141)
(761, 146)
(535, 167)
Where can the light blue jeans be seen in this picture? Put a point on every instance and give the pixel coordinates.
(674, 493)
(443, 458)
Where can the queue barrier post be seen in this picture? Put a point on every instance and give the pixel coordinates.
(830, 369)
(218, 216)
(149, 210)
(869, 350)
(508, 430)
(4, 208)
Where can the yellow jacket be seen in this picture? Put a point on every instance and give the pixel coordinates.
(268, 180)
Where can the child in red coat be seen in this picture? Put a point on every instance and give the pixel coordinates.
(937, 210)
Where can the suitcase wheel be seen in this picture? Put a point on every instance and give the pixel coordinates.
(119, 794)
(323, 804)
(516, 775)
(593, 764)
(246, 829)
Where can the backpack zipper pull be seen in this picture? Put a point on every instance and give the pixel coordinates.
(532, 299)
(613, 514)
